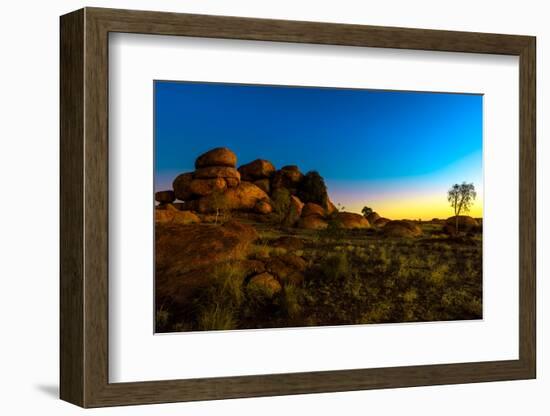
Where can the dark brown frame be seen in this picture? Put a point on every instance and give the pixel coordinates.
(84, 212)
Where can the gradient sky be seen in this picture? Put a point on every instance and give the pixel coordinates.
(397, 152)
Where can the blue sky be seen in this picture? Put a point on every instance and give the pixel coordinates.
(375, 148)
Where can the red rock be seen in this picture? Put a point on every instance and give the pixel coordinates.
(313, 222)
(258, 169)
(174, 216)
(165, 196)
(350, 220)
(313, 209)
(181, 186)
(220, 156)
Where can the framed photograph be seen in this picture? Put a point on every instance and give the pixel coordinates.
(255, 207)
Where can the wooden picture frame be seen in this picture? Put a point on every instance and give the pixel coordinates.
(84, 207)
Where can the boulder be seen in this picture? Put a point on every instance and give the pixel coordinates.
(190, 205)
(181, 186)
(294, 211)
(168, 207)
(287, 177)
(381, 222)
(264, 185)
(248, 267)
(330, 208)
(313, 222)
(220, 156)
(294, 261)
(175, 216)
(373, 217)
(266, 283)
(165, 197)
(204, 187)
(350, 220)
(313, 209)
(263, 207)
(232, 182)
(285, 270)
(401, 228)
(258, 169)
(186, 256)
(465, 223)
(243, 197)
(217, 172)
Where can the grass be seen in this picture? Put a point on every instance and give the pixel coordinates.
(352, 277)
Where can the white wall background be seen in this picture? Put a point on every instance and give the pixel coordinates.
(29, 160)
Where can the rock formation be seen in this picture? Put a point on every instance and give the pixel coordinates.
(400, 228)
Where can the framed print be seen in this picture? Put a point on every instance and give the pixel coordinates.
(263, 207)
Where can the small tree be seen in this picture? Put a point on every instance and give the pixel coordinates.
(220, 204)
(461, 197)
(313, 189)
(366, 211)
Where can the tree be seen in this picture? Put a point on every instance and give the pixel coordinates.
(313, 189)
(219, 203)
(461, 197)
(366, 211)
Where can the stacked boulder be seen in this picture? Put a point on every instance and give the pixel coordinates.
(216, 185)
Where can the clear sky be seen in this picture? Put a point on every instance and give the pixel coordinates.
(397, 152)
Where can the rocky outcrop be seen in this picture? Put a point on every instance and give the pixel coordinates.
(175, 216)
(187, 255)
(294, 211)
(264, 185)
(165, 197)
(204, 187)
(350, 220)
(220, 156)
(181, 186)
(263, 207)
(313, 209)
(313, 222)
(400, 228)
(288, 177)
(331, 208)
(265, 283)
(217, 172)
(243, 197)
(381, 222)
(257, 187)
(287, 268)
(258, 169)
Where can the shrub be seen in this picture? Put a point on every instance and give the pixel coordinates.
(281, 203)
(313, 189)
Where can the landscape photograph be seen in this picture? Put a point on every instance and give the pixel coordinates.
(291, 206)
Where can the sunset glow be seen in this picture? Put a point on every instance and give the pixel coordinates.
(396, 152)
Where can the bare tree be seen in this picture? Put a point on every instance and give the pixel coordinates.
(461, 197)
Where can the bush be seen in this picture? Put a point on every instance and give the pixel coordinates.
(313, 189)
(281, 203)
